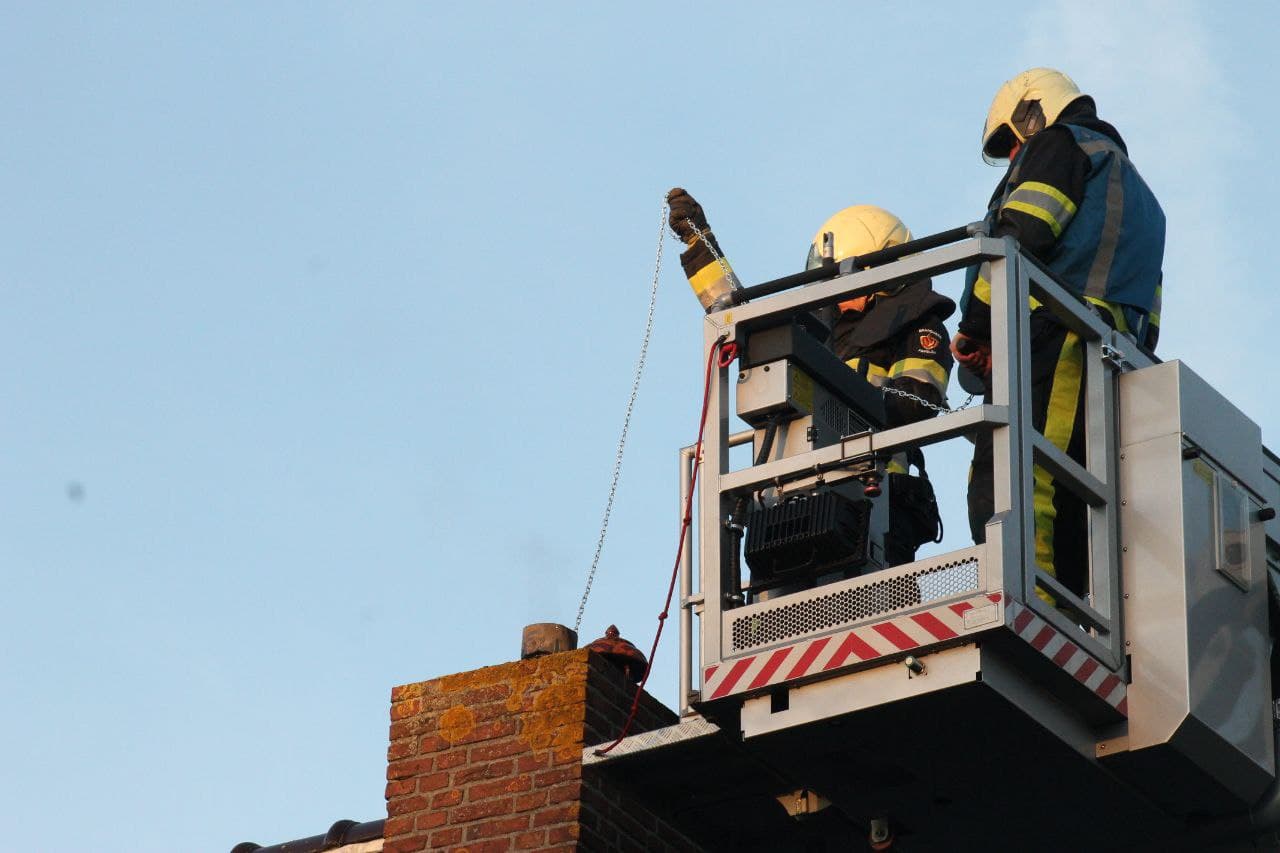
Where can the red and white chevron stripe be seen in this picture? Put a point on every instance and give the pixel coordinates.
(867, 642)
(1067, 656)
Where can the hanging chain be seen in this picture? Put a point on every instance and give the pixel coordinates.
(724, 265)
(626, 419)
(922, 401)
(635, 390)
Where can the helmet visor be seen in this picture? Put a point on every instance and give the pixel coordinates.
(814, 260)
(996, 150)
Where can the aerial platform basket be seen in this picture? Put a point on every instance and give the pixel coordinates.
(950, 690)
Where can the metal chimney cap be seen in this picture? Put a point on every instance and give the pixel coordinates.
(546, 638)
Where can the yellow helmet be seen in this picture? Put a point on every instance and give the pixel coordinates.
(1025, 105)
(858, 230)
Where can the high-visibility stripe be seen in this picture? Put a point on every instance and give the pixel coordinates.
(1116, 312)
(1038, 212)
(1095, 146)
(922, 369)
(1045, 203)
(875, 374)
(982, 289)
(1059, 197)
(1059, 423)
(1109, 239)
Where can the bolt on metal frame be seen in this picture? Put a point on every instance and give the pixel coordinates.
(1008, 557)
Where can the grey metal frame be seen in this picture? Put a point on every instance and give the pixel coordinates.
(1008, 555)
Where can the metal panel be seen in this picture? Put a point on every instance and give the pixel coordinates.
(1173, 399)
(667, 737)
(837, 605)
(1200, 691)
(889, 683)
(869, 643)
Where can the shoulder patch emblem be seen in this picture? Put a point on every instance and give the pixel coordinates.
(929, 339)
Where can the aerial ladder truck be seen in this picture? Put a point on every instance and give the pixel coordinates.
(966, 700)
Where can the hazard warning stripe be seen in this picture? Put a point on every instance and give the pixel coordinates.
(735, 673)
(934, 626)
(896, 635)
(1069, 657)
(892, 636)
(806, 660)
(775, 661)
(852, 645)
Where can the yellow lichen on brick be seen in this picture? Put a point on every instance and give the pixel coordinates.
(407, 708)
(408, 691)
(564, 674)
(456, 723)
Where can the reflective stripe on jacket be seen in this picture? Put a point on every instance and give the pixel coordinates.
(1114, 245)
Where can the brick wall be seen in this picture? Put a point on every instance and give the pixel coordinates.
(491, 760)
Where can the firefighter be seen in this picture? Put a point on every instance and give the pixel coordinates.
(895, 339)
(1072, 198)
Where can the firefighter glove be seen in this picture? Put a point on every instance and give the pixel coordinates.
(973, 353)
(683, 210)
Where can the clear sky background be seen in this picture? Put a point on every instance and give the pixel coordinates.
(319, 320)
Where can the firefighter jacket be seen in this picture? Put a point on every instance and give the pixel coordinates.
(1074, 200)
(900, 342)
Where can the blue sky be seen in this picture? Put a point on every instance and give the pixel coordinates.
(319, 321)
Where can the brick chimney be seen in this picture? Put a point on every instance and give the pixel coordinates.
(491, 760)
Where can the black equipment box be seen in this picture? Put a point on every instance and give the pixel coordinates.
(807, 536)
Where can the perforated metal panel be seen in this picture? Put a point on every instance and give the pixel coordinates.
(788, 621)
(839, 418)
(835, 416)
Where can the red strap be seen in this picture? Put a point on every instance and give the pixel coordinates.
(716, 357)
(728, 352)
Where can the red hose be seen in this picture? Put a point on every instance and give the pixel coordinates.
(685, 521)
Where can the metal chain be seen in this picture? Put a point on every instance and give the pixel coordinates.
(724, 265)
(635, 390)
(922, 401)
(626, 419)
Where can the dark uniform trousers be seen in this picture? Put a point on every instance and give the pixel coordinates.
(1057, 400)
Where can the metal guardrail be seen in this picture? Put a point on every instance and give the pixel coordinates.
(1008, 557)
